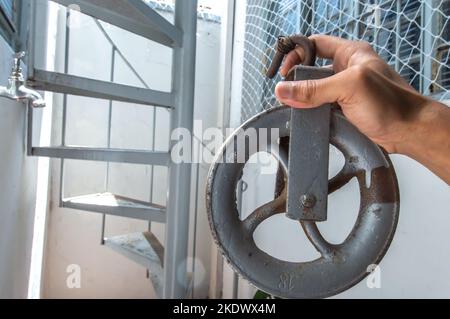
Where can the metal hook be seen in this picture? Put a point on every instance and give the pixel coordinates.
(288, 44)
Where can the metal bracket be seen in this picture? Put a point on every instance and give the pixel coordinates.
(307, 189)
(309, 155)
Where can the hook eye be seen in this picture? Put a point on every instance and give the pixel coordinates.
(287, 44)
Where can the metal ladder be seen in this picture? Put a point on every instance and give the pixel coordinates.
(166, 263)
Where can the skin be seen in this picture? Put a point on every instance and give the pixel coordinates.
(376, 100)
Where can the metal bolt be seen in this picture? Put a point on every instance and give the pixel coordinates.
(308, 200)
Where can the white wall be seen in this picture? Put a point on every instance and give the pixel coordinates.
(17, 191)
(74, 236)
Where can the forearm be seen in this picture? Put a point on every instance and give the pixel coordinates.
(428, 139)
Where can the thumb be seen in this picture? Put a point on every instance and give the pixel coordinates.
(311, 93)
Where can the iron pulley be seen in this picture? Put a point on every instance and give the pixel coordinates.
(302, 152)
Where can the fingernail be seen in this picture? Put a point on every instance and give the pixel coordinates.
(283, 90)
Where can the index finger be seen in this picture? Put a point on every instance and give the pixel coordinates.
(292, 59)
(327, 45)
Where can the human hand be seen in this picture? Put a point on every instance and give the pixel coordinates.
(375, 99)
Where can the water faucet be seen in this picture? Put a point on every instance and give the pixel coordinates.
(16, 89)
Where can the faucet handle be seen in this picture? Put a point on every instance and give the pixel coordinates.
(18, 56)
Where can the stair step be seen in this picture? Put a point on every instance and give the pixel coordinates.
(71, 84)
(144, 249)
(131, 15)
(104, 155)
(117, 205)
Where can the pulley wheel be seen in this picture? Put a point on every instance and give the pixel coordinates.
(339, 266)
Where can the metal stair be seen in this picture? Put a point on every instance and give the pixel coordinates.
(144, 249)
(131, 15)
(111, 204)
(168, 278)
(75, 85)
(103, 155)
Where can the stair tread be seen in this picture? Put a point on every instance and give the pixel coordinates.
(112, 200)
(77, 85)
(117, 205)
(144, 249)
(145, 245)
(132, 15)
(103, 155)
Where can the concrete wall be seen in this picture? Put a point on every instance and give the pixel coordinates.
(17, 191)
(74, 236)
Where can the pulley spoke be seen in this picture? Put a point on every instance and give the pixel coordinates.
(341, 179)
(277, 206)
(315, 237)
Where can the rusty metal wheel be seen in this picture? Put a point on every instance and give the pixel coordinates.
(340, 266)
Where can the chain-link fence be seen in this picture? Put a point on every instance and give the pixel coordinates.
(412, 36)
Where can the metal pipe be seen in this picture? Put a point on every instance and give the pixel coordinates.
(64, 111)
(152, 167)
(31, 39)
(113, 62)
(194, 244)
(183, 85)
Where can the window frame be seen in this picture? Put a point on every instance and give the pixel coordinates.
(11, 27)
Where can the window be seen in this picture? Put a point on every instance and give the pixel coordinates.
(9, 18)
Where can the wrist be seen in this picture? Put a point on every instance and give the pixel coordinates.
(428, 140)
(419, 129)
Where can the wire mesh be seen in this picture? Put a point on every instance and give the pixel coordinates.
(412, 36)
